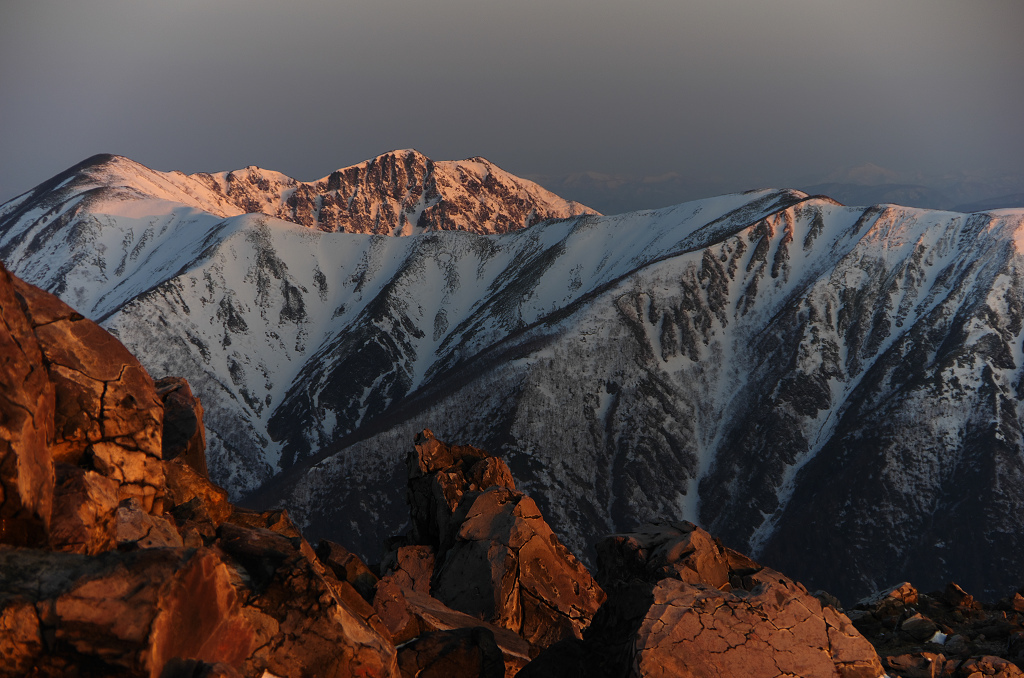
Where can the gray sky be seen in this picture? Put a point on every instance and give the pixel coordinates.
(727, 94)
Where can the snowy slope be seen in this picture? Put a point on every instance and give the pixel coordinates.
(819, 384)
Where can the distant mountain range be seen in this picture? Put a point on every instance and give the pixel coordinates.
(865, 185)
(836, 389)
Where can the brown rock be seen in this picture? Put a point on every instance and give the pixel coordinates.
(890, 600)
(81, 355)
(459, 653)
(105, 414)
(83, 519)
(411, 568)
(26, 425)
(351, 598)
(978, 667)
(497, 559)
(678, 550)
(348, 568)
(186, 486)
(134, 528)
(184, 435)
(200, 616)
(777, 628)
(123, 611)
(302, 625)
(392, 608)
(507, 567)
(21, 638)
(681, 604)
(314, 632)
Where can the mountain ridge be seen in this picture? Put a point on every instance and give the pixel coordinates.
(717, 361)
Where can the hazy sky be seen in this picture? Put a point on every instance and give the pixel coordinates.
(730, 94)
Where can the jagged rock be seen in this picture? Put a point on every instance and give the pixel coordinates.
(497, 559)
(348, 567)
(183, 435)
(459, 653)
(392, 607)
(27, 402)
(119, 595)
(186, 486)
(119, 612)
(302, 626)
(681, 604)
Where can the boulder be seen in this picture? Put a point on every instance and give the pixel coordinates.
(681, 604)
(919, 627)
(105, 415)
(921, 665)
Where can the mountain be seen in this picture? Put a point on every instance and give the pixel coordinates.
(835, 389)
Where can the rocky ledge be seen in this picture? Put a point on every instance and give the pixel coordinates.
(118, 557)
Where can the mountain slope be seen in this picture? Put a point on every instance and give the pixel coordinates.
(835, 388)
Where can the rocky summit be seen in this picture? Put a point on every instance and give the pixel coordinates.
(119, 557)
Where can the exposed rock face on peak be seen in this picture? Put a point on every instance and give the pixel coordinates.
(398, 193)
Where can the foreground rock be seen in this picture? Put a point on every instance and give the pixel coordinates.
(679, 604)
(117, 555)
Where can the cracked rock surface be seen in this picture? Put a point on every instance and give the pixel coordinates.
(680, 604)
(118, 557)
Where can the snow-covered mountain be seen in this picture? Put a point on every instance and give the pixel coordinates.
(836, 389)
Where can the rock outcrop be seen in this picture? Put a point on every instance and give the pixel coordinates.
(117, 556)
(680, 604)
(397, 193)
(494, 556)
